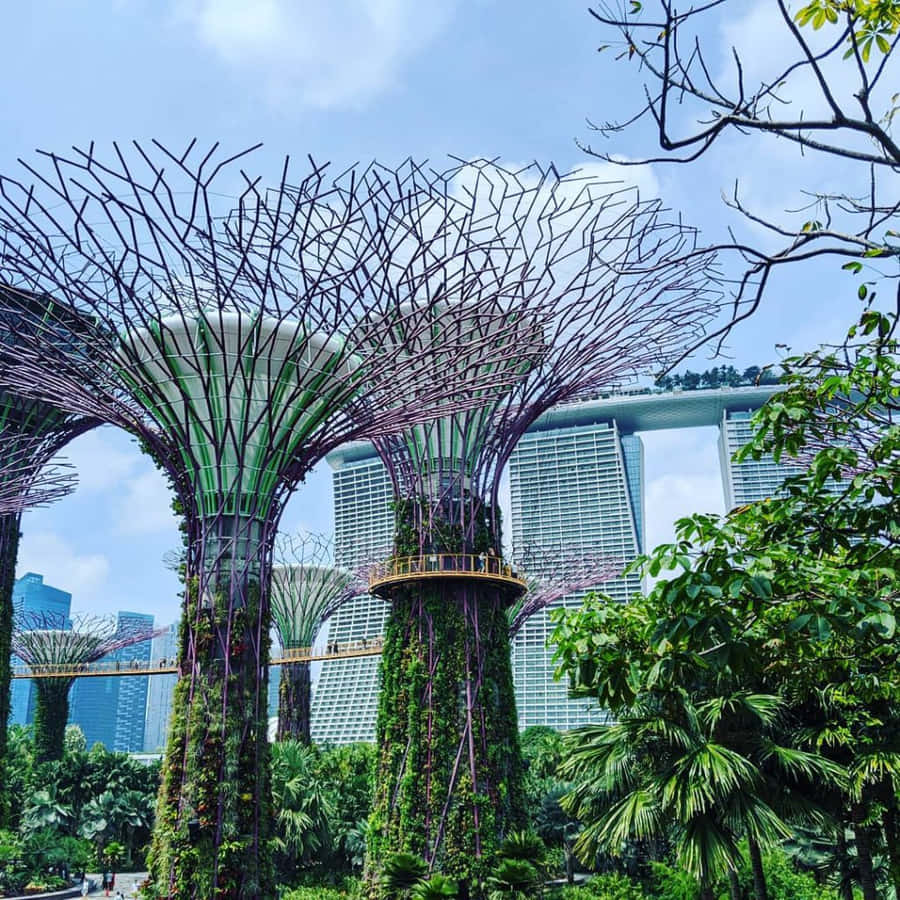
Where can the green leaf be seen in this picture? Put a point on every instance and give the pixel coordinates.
(855, 267)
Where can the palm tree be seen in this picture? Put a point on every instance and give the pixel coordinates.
(514, 879)
(44, 809)
(706, 774)
(438, 887)
(304, 808)
(401, 873)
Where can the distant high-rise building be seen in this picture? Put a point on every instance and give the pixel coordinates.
(575, 488)
(111, 710)
(345, 699)
(32, 597)
(159, 692)
(576, 482)
(753, 479)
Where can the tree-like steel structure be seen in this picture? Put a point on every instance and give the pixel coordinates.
(557, 575)
(240, 348)
(31, 433)
(602, 292)
(49, 642)
(307, 588)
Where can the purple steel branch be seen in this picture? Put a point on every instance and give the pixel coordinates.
(562, 573)
(42, 639)
(613, 292)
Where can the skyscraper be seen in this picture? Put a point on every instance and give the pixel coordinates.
(753, 479)
(32, 597)
(573, 489)
(346, 695)
(159, 692)
(111, 710)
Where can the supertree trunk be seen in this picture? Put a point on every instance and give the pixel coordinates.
(51, 712)
(294, 698)
(9, 551)
(448, 786)
(213, 816)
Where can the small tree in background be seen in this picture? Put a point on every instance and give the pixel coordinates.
(307, 588)
(42, 641)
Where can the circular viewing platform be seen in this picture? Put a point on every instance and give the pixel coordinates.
(403, 570)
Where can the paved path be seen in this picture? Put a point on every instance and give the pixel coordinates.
(126, 882)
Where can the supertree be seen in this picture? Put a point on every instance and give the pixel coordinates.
(31, 433)
(307, 588)
(52, 649)
(608, 287)
(234, 343)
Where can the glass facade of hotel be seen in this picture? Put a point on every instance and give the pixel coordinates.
(345, 697)
(575, 489)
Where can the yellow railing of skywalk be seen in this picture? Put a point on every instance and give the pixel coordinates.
(445, 565)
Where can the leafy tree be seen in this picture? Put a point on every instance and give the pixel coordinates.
(303, 804)
(790, 603)
(842, 51)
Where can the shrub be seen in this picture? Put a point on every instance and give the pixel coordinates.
(610, 886)
(784, 882)
(673, 884)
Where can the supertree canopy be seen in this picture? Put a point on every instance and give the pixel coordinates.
(307, 588)
(239, 345)
(562, 573)
(31, 433)
(606, 287)
(48, 644)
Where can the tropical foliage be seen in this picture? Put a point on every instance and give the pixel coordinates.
(755, 687)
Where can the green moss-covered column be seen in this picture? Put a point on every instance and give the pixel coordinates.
(294, 702)
(213, 827)
(9, 551)
(448, 785)
(51, 712)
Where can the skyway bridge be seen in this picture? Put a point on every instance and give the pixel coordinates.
(130, 667)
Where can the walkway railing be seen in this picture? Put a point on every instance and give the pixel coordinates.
(105, 668)
(445, 565)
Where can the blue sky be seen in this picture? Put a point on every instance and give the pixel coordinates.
(352, 80)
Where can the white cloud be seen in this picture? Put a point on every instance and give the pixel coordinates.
(102, 459)
(671, 497)
(144, 506)
(683, 476)
(339, 53)
(82, 574)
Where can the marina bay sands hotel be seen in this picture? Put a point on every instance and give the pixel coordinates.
(576, 481)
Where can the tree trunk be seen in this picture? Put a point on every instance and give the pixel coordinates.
(449, 770)
(734, 886)
(759, 876)
(570, 863)
(51, 712)
(864, 852)
(9, 551)
(294, 698)
(890, 822)
(846, 882)
(213, 823)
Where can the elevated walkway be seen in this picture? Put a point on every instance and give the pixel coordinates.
(105, 668)
(405, 570)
